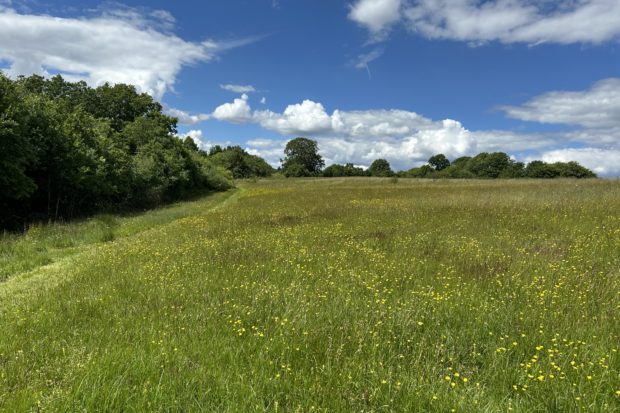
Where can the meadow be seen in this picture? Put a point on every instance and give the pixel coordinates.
(326, 295)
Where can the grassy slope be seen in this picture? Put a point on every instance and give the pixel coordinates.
(334, 295)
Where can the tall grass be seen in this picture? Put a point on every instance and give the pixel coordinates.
(334, 295)
(44, 244)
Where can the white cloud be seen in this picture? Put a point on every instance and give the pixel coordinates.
(363, 60)
(118, 46)
(238, 88)
(502, 140)
(378, 123)
(405, 138)
(376, 15)
(236, 112)
(603, 161)
(307, 117)
(598, 107)
(263, 100)
(271, 154)
(186, 118)
(262, 143)
(509, 21)
(448, 137)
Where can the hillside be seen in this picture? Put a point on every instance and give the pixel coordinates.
(355, 294)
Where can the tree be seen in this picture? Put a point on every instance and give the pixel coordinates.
(540, 169)
(295, 170)
(573, 170)
(16, 149)
(439, 162)
(489, 165)
(302, 158)
(380, 167)
(336, 170)
(215, 149)
(424, 171)
(240, 163)
(68, 150)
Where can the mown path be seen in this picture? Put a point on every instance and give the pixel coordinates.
(43, 277)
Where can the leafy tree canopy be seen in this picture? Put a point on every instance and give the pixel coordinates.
(380, 167)
(68, 150)
(302, 158)
(439, 162)
(240, 163)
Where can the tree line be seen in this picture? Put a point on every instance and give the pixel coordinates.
(302, 159)
(68, 150)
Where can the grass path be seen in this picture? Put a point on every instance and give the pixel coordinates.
(42, 259)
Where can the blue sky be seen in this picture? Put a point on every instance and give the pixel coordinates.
(397, 79)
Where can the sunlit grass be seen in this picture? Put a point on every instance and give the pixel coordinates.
(43, 244)
(334, 295)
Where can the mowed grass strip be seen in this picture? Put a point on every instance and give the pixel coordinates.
(45, 244)
(336, 295)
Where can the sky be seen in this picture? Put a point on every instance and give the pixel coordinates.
(394, 79)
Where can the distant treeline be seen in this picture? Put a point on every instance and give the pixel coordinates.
(68, 150)
(302, 159)
(484, 165)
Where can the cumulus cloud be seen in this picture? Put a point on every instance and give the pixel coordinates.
(361, 136)
(507, 21)
(598, 107)
(186, 118)
(238, 88)
(376, 15)
(119, 46)
(238, 111)
(307, 117)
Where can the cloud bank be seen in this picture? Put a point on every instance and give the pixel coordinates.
(598, 107)
(506, 21)
(118, 46)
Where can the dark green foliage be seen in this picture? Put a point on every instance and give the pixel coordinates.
(302, 158)
(424, 171)
(240, 163)
(489, 165)
(348, 169)
(539, 169)
(380, 167)
(68, 150)
(495, 165)
(296, 170)
(573, 170)
(16, 150)
(439, 162)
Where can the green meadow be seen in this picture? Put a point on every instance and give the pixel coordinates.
(323, 295)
